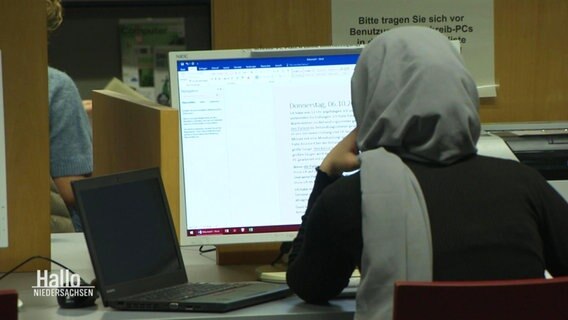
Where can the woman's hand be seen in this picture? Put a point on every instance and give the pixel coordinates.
(343, 157)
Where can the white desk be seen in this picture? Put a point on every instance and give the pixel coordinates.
(71, 251)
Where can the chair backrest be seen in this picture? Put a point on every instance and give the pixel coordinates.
(465, 300)
(9, 304)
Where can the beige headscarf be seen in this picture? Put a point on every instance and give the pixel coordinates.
(412, 94)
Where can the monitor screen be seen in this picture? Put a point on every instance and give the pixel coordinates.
(110, 207)
(254, 125)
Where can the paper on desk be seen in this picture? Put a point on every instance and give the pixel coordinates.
(118, 86)
(280, 277)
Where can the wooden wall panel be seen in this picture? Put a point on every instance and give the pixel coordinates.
(129, 134)
(270, 23)
(531, 47)
(531, 62)
(23, 42)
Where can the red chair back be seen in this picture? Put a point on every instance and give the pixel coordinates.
(8, 304)
(545, 299)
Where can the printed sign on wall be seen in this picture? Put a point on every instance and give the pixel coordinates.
(144, 45)
(468, 21)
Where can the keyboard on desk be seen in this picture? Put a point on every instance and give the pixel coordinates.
(185, 291)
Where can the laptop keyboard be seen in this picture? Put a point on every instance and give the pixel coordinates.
(186, 291)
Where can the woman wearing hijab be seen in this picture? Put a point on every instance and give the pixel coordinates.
(423, 206)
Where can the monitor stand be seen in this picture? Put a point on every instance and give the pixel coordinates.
(254, 253)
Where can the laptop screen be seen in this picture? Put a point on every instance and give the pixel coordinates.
(254, 126)
(126, 218)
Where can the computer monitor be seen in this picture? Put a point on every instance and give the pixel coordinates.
(254, 125)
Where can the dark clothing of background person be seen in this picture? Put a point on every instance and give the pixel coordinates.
(513, 226)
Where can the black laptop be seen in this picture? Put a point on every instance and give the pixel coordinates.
(136, 255)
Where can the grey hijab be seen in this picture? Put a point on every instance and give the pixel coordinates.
(412, 95)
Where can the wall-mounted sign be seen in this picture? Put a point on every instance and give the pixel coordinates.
(144, 46)
(468, 21)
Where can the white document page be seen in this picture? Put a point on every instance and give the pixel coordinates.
(252, 139)
(3, 195)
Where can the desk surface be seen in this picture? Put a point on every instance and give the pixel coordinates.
(70, 250)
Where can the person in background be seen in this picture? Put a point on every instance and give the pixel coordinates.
(71, 155)
(424, 205)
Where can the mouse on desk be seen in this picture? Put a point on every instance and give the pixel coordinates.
(85, 296)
